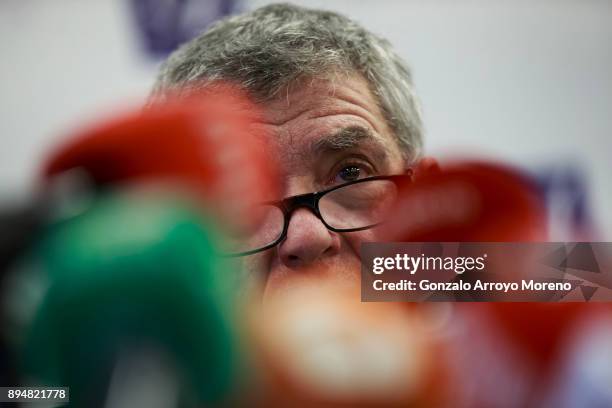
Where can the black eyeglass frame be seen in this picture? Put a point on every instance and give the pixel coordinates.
(311, 201)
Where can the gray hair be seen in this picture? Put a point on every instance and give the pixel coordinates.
(266, 50)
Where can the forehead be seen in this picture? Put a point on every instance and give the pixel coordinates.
(312, 110)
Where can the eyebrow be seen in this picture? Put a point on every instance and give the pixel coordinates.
(348, 138)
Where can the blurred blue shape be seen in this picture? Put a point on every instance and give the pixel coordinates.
(165, 24)
(566, 193)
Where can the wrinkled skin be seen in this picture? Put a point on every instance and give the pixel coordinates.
(302, 124)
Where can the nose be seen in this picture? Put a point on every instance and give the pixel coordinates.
(307, 240)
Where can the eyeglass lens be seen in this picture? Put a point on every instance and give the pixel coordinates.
(353, 206)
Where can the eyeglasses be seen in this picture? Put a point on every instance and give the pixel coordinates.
(353, 206)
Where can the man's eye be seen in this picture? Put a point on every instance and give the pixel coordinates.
(349, 173)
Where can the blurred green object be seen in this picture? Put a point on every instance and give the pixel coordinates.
(133, 273)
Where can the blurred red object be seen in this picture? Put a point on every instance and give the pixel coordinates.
(205, 142)
(469, 202)
(321, 346)
(486, 202)
(540, 329)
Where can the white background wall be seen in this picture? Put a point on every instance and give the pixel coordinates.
(528, 82)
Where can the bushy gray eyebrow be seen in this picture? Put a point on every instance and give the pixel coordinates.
(349, 138)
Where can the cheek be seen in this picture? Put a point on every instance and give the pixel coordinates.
(354, 240)
(256, 269)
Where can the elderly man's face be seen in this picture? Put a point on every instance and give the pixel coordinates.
(327, 133)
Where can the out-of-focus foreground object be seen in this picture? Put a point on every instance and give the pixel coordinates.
(502, 354)
(133, 306)
(320, 346)
(137, 310)
(204, 143)
(469, 201)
